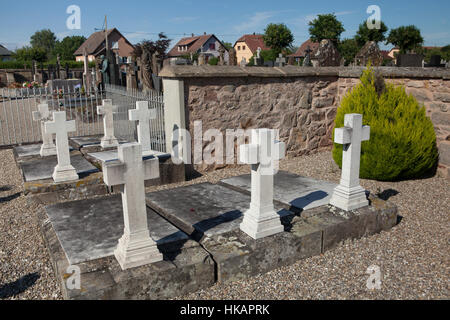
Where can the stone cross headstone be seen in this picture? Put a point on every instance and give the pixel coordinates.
(258, 59)
(243, 62)
(48, 148)
(349, 195)
(281, 60)
(135, 247)
(64, 171)
(261, 219)
(107, 110)
(143, 115)
(307, 60)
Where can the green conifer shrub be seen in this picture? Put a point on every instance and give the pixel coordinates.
(402, 141)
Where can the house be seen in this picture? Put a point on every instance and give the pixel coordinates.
(95, 46)
(247, 45)
(208, 44)
(301, 51)
(5, 54)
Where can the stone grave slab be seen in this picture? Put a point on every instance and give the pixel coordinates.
(203, 209)
(42, 169)
(89, 144)
(29, 152)
(113, 155)
(291, 191)
(212, 214)
(85, 234)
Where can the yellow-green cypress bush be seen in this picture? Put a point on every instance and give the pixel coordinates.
(402, 141)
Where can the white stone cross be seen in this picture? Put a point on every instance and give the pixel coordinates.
(136, 247)
(48, 147)
(64, 171)
(281, 60)
(107, 110)
(349, 195)
(143, 115)
(258, 53)
(262, 154)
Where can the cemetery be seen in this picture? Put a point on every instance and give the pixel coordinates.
(192, 175)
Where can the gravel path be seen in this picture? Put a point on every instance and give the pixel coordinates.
(413, 257)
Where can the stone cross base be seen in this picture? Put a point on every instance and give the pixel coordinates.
(261, 222)
(48, 150)
(349, 198)
(109, 142)
(136, 250)
(62, 174)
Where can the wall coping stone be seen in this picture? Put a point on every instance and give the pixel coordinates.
(206, 71)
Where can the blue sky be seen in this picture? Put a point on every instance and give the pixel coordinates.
(228, 19)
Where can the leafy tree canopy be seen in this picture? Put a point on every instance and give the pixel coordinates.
(44, 39)
(348, 48)
(278, 37)
(68, 46)
(325, 26)
(27, 54)
(364, 34)
(161, 45)
(407, 38)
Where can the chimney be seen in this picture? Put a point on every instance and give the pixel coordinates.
(192, 35)
(204, 33)
(254, 33)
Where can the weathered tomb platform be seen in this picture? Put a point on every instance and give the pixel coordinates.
(39, 185)
(29, 152)
(291, 191)
(85, 234)
(211, 214)
(89, 144)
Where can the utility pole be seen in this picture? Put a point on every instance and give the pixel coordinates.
(106, 33)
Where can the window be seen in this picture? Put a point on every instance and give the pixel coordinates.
(239, 47)
(243, 47)
(212, 46)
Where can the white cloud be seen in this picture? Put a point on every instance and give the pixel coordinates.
(257, 20)
(183, 19)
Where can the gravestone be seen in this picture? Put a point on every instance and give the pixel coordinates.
(48, 148)
(410, 60)
(349, 195)
(326, 55)
(262, 154)
(258, 59)
(307, 60)
(107, 110)
(201, 59)
(232, 58)
(64, 171)
(136, 247)
(142, 114)
(369, 52)
(281, 60)
(291, 61)
(243, 62)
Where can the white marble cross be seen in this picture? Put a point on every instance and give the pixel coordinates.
(107, 110)
(64, 171)
(136, 247)
(261, 220)
(349, 195)
(143, 115)
(48, 147)
(281, 60)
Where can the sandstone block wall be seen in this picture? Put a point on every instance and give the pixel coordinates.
(300, 102)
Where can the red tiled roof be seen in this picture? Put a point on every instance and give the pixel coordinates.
(95, 43)
(301, 50)
(253, 41)
(193, 43)
(385, 54)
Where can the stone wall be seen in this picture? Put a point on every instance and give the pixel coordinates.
(300, 102)
(22, 75)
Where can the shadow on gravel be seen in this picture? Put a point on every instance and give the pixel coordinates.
(386, 194)
(14, 288)
(5, 188)
(9, 198)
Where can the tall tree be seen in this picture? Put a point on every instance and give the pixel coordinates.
(27, 54)
(278, 37)
(364, 34)
(68, 46)
(348, 49)
(326, 26)
(407, 38)
(44, 39)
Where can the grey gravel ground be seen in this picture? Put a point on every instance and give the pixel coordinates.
(413, 257)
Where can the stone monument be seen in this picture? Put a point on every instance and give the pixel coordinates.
(281, 60)
(48, 148)
(107, 110)
(136, 247)
(369, 52)
(349, 195)
(142, 114)
(261, 219)
(326, 55)
(64, 171)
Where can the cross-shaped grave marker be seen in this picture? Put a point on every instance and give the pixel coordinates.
(107, 110)
(48, 148)
(261, 220)
(281, 60)
(136, 247)
(64, 171)
(349, 195)
(143, 115)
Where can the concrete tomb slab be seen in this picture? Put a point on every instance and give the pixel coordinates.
(87, 144)
(85, 234)
(203, 209)
(29, 151)
(293, 192)
(42, 169)
(113, 155)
